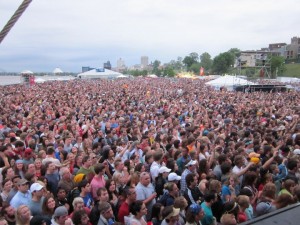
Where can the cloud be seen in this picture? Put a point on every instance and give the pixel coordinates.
(73, 33)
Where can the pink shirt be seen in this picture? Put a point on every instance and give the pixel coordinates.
(97, 182)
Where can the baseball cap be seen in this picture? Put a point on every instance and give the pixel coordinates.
(191, 163)
(60, 211)
(79, 177)
(36, 187)
(173, 177)
(296, 151)
(164, 169)
(22, 181)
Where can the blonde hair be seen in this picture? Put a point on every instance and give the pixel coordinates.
(19, 217)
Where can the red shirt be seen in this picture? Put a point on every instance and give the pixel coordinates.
(123, 211)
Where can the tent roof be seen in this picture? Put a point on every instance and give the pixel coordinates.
(26, 72)
(229, 81)
(98, 73)
(57, 70)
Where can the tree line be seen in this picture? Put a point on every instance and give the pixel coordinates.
(221, 64)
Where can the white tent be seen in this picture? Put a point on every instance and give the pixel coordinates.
(152, 75)
(229, 82)
(57, 71)
(99, 73)
(26, 72)
(122, 76)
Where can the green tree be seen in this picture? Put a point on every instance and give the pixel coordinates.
(156, 69)
(189, 60)
(195, 68)
(169, 71)
(277, 65)
(235, 52)
(206, 61)
(223, 62)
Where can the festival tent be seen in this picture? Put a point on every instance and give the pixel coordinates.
(99, 73)
(57, 71)
(229, 82)
(152, 76)
(26, 72)
(122, 76)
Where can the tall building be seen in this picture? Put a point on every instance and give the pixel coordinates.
(120, 63)
(144, 61)
(107, 65)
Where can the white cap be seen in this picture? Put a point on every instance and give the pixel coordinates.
(164, 169)
(173, 177)
(191, 163)
(36, 187)
(296, 151)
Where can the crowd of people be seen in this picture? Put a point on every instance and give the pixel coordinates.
(145, 151)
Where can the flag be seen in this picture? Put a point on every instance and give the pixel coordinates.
(201, 71)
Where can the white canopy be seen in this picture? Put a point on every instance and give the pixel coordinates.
(122, 76)
(99, 73)
(152, 75)
(228, 82)
(57, 71)
(26, 72)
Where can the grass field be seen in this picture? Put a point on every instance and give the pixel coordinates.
(293, 70)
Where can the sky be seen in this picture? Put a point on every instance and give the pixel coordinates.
(70, 34)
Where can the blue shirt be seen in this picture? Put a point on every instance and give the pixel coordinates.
(20, 199)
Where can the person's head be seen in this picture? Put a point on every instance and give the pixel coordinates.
(37, 190)
(180, 203)
(23, 185)
(103, 194)
(78, 204)
(48, 205)
(3, 221)
(105, 210)
(80, 217)
(60, 215)
(130, 194)
(243, 201)
(228, 219)
(138, 208)
(283, 200)
(157, 211)
(7, 184)
(84, 186)
(99, 169)
(210, 197)
(172, 189)
(65, 174)
(214, 186)
(289, 185)
(170, 214)
(61, 193)
(23, 214)
(8, 211)
(269, 191)
(145, 178)
(86, 161)
(194, 213)
(191, 180)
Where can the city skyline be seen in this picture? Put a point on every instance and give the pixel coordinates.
(71, 34)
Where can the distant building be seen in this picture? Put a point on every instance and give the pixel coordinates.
(251, 58)
(292, 50)
(120, 63)
(107, 65)
(144, 61)
(86, 68)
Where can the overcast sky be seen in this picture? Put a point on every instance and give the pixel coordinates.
(73, 33)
